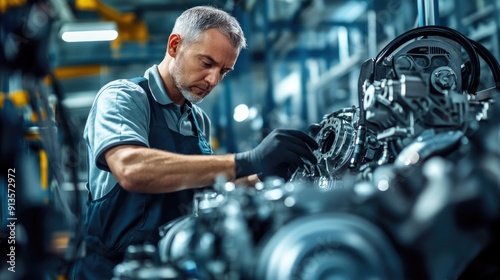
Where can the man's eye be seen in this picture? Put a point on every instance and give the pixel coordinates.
(206, 64)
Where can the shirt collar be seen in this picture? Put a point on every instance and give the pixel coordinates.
(158, 90)
(156, 85)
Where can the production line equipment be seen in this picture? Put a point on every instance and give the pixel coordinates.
(406, 186)
(39, 232)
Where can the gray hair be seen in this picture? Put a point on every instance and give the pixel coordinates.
(192, 22)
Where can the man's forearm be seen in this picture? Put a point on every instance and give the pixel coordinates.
(140, 169)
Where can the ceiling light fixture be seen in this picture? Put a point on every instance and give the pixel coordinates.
(89, 31)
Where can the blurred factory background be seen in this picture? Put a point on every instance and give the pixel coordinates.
(302, 61)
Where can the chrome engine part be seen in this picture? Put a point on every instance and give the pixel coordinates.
(406, 185)
(414, 103)
(279, 231)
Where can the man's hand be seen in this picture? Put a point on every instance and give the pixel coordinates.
(281, 149)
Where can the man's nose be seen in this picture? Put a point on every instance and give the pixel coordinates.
(213, 78)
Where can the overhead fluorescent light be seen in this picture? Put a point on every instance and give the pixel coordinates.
(89, 31)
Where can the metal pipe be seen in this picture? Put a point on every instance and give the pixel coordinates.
(428, 12)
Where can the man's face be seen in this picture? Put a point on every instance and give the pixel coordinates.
(200, 66)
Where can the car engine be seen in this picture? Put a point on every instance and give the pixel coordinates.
(406, 185)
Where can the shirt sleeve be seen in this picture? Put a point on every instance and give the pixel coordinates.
(119, 115)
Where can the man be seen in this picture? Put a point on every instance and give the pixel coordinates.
(148, 143)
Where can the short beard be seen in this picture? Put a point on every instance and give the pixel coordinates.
(194, 99)
(176, 74)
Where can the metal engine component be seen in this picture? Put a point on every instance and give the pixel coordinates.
(251, 232)
(335, 141)
(336, 136)
(328, 245)
(406, 185)
(140, 263)
(412, 100)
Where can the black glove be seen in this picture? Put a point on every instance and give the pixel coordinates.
(279, 150)
(314, 129)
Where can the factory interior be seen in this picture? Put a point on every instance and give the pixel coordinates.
(399, 95)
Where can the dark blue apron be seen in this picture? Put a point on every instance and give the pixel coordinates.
(122, 218)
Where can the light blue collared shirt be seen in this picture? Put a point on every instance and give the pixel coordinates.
(120, 115)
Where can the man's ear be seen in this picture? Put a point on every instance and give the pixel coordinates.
(173, 45)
